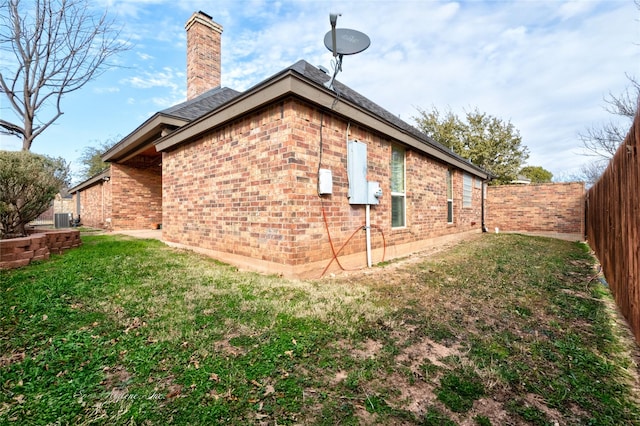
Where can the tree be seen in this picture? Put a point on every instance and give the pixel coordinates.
(53, 47)
(603, 141)
(28, 184)
(486, 141)
(91, 159)
(536, 174)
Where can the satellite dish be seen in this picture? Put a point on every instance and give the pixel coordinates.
(347, 42)
(343, 41)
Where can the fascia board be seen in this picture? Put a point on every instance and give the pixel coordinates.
(138, 140)
(235, 108)
(291, 83)
(91, 181)
(360, 115)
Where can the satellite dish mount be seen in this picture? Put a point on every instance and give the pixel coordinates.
(343, 41)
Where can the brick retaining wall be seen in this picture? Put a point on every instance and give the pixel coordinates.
(18, 252)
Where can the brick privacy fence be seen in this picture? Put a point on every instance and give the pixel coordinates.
(551, 209)
(18, 252)
(613, 226)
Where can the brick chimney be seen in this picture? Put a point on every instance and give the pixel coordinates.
(203, 54)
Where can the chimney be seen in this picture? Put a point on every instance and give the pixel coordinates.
(203, 54)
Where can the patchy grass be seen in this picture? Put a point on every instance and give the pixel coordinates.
(505, 329)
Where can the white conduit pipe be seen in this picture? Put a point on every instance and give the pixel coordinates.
(367, 225)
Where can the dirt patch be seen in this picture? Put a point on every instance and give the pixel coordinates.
(370, 349)
(13, 357)
(340, 376)
(416, 354)
(539, 403)
(416, 397)
(489, 408)
(225, 347)
(116, 377)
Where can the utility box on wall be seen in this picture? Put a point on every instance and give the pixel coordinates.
(361, 191)
(325, 182)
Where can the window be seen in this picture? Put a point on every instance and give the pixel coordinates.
(449, 197)
(466, 190)
(397, 188)
(477, 183)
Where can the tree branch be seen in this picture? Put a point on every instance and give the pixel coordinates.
(58, 48)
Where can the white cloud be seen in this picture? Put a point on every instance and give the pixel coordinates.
(102, 90)
(544, 65)
(144, 56)
(165, 78)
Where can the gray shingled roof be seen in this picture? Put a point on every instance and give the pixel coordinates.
(202, 104)
(215, 98)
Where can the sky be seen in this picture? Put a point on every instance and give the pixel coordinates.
(545, 66)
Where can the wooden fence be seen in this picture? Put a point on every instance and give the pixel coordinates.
(613, 226)
(45, 218)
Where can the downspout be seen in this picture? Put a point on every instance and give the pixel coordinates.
(484, 189)
(78, 205)
(104, 182)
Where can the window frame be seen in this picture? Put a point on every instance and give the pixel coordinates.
(395, 194)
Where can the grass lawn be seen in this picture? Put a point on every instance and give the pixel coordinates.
(505, 329)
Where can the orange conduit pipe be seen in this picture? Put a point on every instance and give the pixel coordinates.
(333, 250)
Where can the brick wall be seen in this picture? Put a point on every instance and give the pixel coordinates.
(136, 194)
(63, 205)
(95, 205)
(203, 54)
(247, 193)
(554, 209)
(18, 252)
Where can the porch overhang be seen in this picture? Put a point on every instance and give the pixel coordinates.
(142, 140)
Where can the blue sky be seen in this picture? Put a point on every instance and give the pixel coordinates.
(545, 66)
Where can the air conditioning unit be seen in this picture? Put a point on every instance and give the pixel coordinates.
(62, 220)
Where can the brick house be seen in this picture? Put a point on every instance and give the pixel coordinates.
(283, 178)
(93, 200)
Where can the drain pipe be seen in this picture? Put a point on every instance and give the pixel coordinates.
(367, 228)
(482, 214)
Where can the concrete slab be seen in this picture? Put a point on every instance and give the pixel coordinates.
(142, 233)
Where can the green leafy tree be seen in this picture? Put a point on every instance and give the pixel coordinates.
(49, 48)
(91, 159)
(537, 174)
(28, 184)
(486, 141)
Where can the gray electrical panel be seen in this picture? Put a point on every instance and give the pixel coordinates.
(360, 190)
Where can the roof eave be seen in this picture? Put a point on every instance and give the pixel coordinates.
(142, 138)
(92, 180)
(290, 82)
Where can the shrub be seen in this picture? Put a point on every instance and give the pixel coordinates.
(28, 184)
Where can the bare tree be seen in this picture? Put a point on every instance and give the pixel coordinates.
(55, 47)
(603, 142)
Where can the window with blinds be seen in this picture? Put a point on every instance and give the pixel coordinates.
(398, 193)
(467, 190)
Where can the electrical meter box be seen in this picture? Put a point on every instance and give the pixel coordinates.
(375, 193)
(361, 191)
